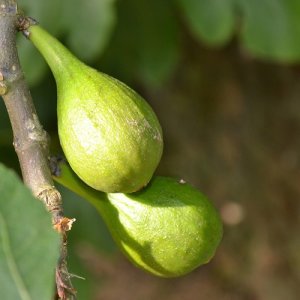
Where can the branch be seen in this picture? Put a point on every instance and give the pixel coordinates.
(30, 139)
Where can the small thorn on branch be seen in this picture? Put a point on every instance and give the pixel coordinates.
(63, 290)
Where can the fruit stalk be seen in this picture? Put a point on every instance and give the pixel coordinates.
(53, 52)
(66, 177)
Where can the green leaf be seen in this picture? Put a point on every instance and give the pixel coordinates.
(29, 247)
(145, 45)
(212, 21)
(89, 25)
(158, 41)
(271, 28)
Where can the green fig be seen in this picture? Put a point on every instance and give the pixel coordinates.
(109, 134)
(168, 228)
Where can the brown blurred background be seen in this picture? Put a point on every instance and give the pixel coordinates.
(231, 128)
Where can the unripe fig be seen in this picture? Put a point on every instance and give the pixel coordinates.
(109, 134)
(168, 228)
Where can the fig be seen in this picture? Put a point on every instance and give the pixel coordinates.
(109, 134)
(168, 228)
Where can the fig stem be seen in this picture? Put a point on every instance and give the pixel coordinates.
(51, 48)
(64, 175)
(30, 139)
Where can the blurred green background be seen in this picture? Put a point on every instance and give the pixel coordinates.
(224, 80)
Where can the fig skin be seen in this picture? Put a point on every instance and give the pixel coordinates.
(109, 134)
(167, 229)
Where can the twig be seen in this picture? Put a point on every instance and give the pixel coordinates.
(30, 139)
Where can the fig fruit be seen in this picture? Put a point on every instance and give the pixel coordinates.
(168, 228)
(109, 134)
